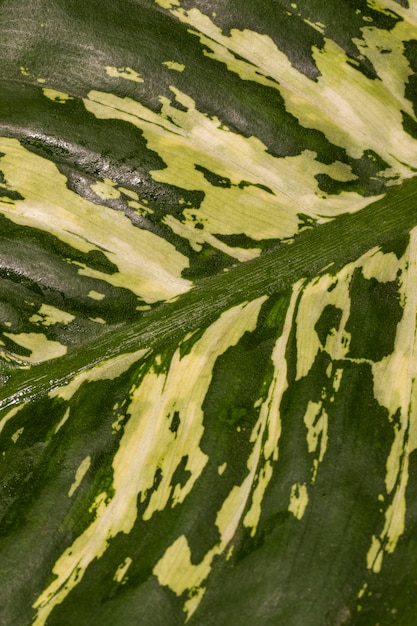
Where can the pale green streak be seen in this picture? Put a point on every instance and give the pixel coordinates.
(56, 96)
(400, 369)
(96, 295)
(42, 348)
(124, 72)
(17, 434)
(49, 315)
(148, 429)
(176, 569)
(105, 190)
(185, 139)
(148, 265)
(79, 475)
(173, 65)
(9, 415)
(298, 500)
(120, 575)
(349, 108)
(107, 369)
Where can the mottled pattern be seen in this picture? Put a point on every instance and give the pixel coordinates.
(208, 313)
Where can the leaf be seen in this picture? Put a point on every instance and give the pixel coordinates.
(208, 313)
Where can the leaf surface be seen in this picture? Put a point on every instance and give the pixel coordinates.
(208, 312)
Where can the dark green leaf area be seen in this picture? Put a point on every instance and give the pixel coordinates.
(280, 131)
(284, 22)
(241, 375)
(214, 179)
(397, 245)
(54, 280)
(181, 474)
(306, 221)
(31, 426)
(310, 570)
(329, 321)
(16, 306)
(294, 463)
(266, 245)
(36, 497)
(390, 596)
(374, 315)
(343, 23)
(124, 158)
(238, 378)
(410, 51)
(77, 60)
(367, 168)
(243, 241)
(187, 344)
(42, 518)
(367, 180)
(63, 452)
(409, 124)
(12, 233)
(17, 467)
(277, 20)
(273, 312)
(100, 408)
(243, 106)
(175, 422)
(138, 599)
(207, 261)
(70, 135)
(103, 602)
(9, 193)
(86, 149)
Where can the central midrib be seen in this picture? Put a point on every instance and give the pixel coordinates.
(325, 248)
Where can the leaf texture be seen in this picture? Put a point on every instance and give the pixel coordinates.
(208, 312)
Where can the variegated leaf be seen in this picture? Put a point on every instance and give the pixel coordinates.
(208, 312)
